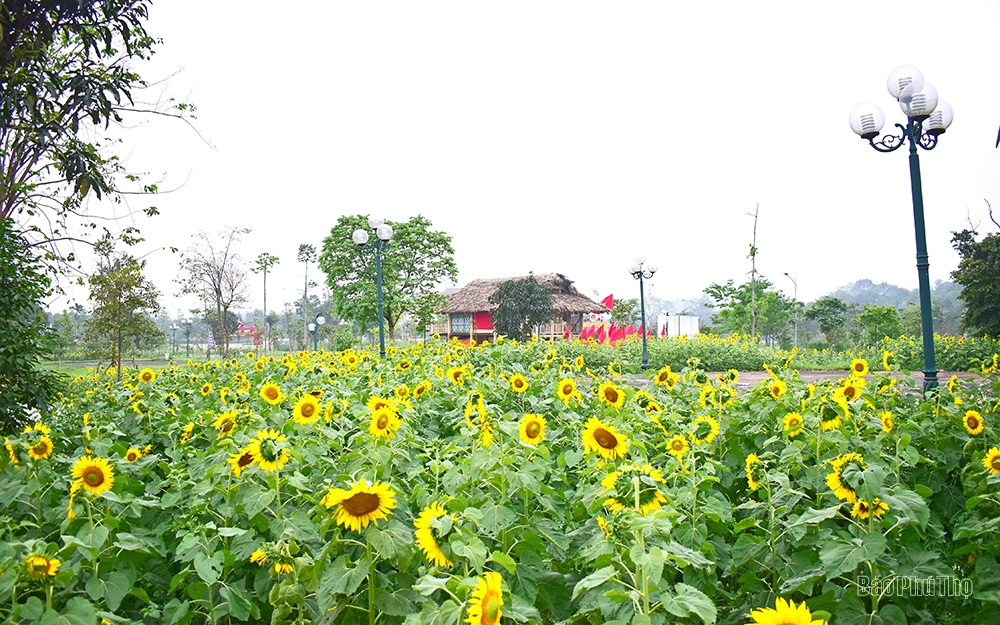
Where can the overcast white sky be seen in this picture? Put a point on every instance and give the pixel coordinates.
(572, 136)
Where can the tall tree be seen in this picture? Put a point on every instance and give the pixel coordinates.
(739, 305)
(520, 305)
(878, 322)
(25, 341)
(307, 255)
(419, 259)
(122, 297)
(213, 270)
(978, 272)
(831, 315)
(263, 262)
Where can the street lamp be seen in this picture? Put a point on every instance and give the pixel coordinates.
(314, 328)
(639, 272)
(187, 343)
(927, 118)
(173, 337)
(795, 313)
(383, 232)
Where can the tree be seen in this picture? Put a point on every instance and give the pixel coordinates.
(214, 272)
(878, 322)
(626, 311)
(25, 341)
(417, 261)
(978, 272)
(263, 262)
(520, 305)
(831, 315)
(307, 255)
(122, 298)
(752, 305)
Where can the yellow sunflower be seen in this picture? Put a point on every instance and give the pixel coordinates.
(269, 450)
(41, 449)
(604, 439)
(518, 383)
(863, 510)
(40, 566)
(239, 461)
(361, 504)
(384, 423)
(677, 446)
(777, 388)
(147, 375)
(992, 460)
(705, 430)
(532, 429)
(784, 613)
(206, 389)
(666, 377)
(225, 423)
(425, 534)
(849, 388)
(829, 417)
(376, 403)
(404, 365)
(835, 481)
(271, 393)
(859, 367)
(578, 362)
(306, 410)
(887, 360)
(421, 389)
(623, 482)
(188, 430)
(566, 389)
(793, 424)
(402, 391)
(753, 461)
(610, 394)
(258, 557)
(457, 375)
(486, 600)
(603, 524)
(94, 474)
(973, 422)
(133, 454)
(887, 422)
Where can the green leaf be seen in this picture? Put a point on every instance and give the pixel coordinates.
(870, 482)
(505, 561)
(474, 551)
(255, 499)
(112, 588)
(840, 557)
(497, 517)
(175, 610)
(78, 611)
(690, 600)
(812, 516)
(239, 602)
(208, 567)
(428, 584)
(231, 531)
(341, 579)
(907, 506)
(593, 580)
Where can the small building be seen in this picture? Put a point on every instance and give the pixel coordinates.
(469, 310)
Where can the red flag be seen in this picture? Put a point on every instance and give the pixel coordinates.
(600, 334)
(663, 332)
(629, 330)
(566, 334)
(609, 302)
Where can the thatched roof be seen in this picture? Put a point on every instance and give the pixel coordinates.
(475, 296)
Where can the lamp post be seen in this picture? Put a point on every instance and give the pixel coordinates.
(187, 342)
(380, 244)
(795, 313)
(173, 337)
(640, 271)
(927, 118)
(314, 328)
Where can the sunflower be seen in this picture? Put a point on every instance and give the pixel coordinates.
(706, 424)
(753, 461)
(376, 403)
(457, 375)
(240, 461)
(147, 375)
(835, 481)
(271, 393)
(610, 394)
(281, 568)
(269, 450)
(578, 362)
(188, 430)
(829, 417)
(41, 449)
(886, 419)
(361, 504)
(258, 557)
(666, 377)
(94, 474)
(859, 367)
(133, 454)
(706, 396)
(973, 422)
(225, 423)
(992, 460)
(677, 446)
(784, 613)
(518, 383)
(793, 424)
(604, 439)
(40, 566)
(624, 482)
(849, 388)
(888, 359)
(566, 389)
(532, 429)
(206, 389)
(306, 410)
(486, 600)
(777, 388)
(404, 365)
(426, 539)
(402, 391)
(862, 509)
(384, 423)
(603, 524)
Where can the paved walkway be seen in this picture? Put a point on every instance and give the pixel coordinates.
(751, 378)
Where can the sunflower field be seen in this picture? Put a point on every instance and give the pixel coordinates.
(449, 484)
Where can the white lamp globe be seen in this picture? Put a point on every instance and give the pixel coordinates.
(940, 119)
(918, 101)
(867, 120)
(902, 77)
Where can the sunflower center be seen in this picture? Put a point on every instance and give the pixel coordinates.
(850, 392)
(491, 608)
(308, 410)
(132, 456)
(361, 504)
(40, 447)
(532, 429)
(271, 392)
(973, 422)
(605, 438)
(518, 383)
(611, 395)
(382, 422)
(567, 389)
(93, 476)
(677, 445)
(245, 460)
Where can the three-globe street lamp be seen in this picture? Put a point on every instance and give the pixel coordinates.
(314, 328)
(795, 313)
(383, 232)
(927, 118)
(640, 271)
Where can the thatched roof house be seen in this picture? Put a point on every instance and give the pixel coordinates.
(469, 308)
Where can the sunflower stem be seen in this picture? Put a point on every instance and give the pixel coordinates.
(277, 495)
(641, 542)
(371, 584)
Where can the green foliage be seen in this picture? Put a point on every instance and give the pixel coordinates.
(626, 311)
(736, 303)
(878, 322)
(520, 306)
(831, 314)
(25, 341)
(977, 273)
(417, 261)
